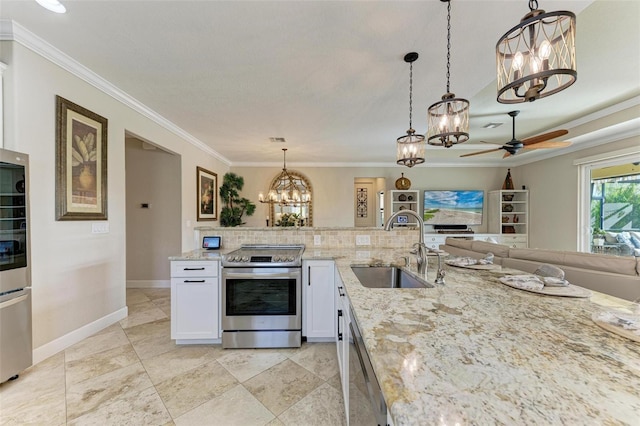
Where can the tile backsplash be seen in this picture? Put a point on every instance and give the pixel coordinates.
(328, 237)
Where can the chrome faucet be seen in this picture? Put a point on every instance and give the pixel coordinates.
(420, 247)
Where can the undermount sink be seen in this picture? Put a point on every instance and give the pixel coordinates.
(387, 277)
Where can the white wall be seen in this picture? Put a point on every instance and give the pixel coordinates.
(153, 234)
(333, 203)
(78, 278)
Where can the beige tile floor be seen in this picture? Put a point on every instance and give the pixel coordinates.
(132, 373)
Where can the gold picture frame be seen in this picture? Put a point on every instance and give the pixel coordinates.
(81, 163)
(207, 194)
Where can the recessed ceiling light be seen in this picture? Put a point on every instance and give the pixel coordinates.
(277, 140)
(491, 125)
(52, 5)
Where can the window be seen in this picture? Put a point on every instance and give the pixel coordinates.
(609, 205)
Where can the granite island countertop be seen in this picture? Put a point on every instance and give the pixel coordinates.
(475, 351)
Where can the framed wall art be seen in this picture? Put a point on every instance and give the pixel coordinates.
(207, 185)
(81, 163)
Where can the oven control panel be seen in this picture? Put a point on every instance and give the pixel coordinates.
(264, 255)
(261, 259)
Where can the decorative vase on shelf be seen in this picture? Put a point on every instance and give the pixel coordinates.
(20, 185)
(403, 183)
(508, 182)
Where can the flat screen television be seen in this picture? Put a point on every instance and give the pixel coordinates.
(451, 208)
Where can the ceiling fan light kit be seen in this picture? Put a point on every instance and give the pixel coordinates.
(410, 147)
(536, 58)
(448, 119)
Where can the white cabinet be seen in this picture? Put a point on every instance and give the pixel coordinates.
(403, 200)
(434, 241)
(318, 308)
(342, 338)
(195, 302)
(508, 213)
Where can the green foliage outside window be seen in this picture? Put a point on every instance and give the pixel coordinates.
(617, 192)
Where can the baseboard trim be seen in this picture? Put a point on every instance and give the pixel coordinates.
(48, 349)
(148, 283)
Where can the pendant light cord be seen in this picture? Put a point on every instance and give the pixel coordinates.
(448, 43)
(410, 94)
(533, 5)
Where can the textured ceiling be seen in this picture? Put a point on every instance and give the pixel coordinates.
(329, 77)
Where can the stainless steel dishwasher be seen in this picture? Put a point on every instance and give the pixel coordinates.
(366, 403)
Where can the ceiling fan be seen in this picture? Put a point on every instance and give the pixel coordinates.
(535, 142)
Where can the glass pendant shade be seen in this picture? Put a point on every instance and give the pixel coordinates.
(448, 121)
(536, 58)
(410, 149)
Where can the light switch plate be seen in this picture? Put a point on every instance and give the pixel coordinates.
(100, 227)
(363, 240)
(317, 240)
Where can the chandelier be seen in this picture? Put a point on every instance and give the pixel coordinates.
(448, 120)
(286, 189)
(410, 146)
(537, 57)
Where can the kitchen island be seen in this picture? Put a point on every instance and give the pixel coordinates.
(475, 351)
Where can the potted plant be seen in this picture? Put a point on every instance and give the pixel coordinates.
(598, 237)
(234, 206)
(289, 219)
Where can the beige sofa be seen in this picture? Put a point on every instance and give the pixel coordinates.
(614, 275)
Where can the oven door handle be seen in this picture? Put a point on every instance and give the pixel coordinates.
(242, 275)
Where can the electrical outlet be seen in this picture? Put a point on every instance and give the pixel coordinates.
(100, 228)
(363, 240)
(317, 240)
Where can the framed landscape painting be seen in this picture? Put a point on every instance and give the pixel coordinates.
(81, 163)
(207, 185)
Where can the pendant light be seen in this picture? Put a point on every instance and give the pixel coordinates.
(448, 119)
(410, 150)
(287, 189)
(537, 57)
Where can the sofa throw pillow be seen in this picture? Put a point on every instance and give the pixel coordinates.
(635, 241)
(624, 238)
(610, 237)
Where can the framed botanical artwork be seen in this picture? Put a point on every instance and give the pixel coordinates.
(207, 185)
(81, 163)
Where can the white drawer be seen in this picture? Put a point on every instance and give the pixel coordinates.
(507, 239)
(194, 269)
(195, 281)
(435, 246)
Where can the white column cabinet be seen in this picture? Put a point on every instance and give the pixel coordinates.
(402, 200)
(195, 302)
(508, 215)
(318, 315)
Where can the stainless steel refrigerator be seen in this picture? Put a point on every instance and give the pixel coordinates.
(15, 266)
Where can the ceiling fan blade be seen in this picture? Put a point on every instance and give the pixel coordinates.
(541, 145)
(481, 152)
(507, 154)
(544, 137)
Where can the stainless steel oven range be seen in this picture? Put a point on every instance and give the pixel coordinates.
(261, 297)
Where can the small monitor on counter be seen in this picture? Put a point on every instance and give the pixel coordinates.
(211, 242)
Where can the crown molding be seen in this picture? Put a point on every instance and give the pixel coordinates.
(12, 31)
